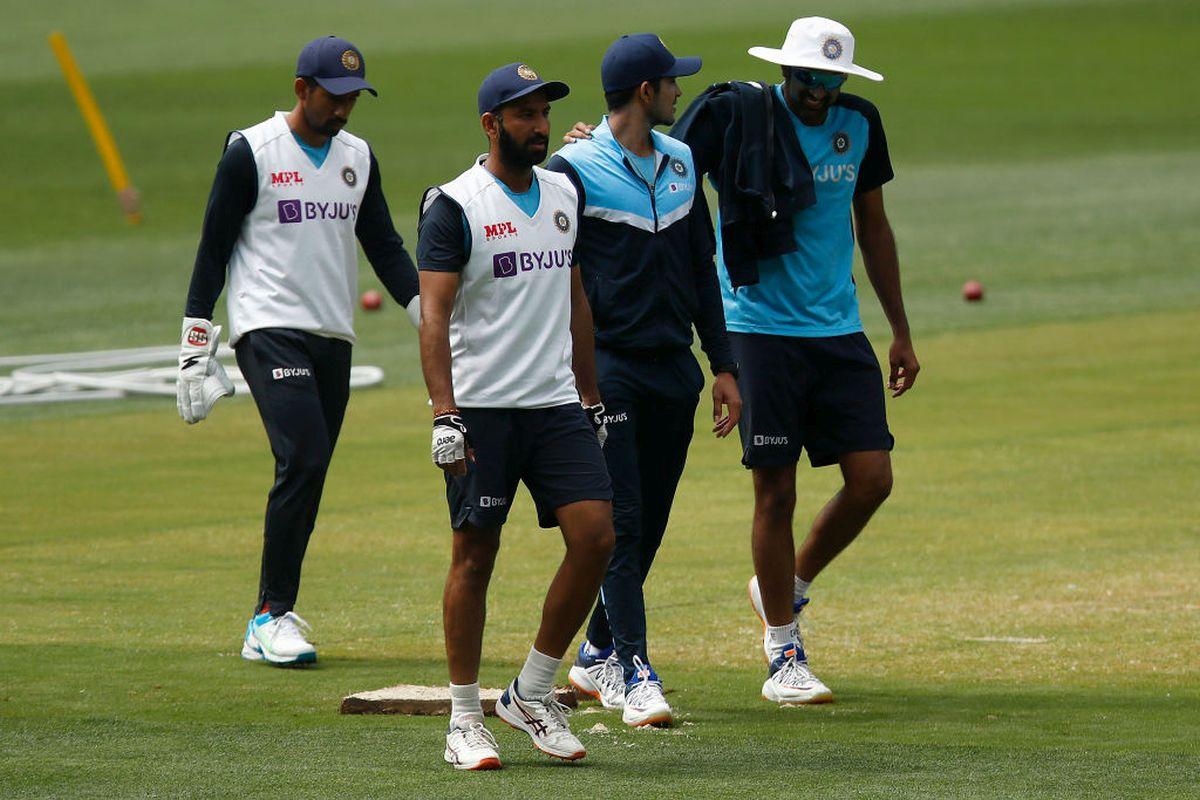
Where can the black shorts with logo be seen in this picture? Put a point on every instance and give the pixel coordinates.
(553, 450)
(824, 395)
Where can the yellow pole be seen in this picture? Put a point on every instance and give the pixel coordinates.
(127, 195)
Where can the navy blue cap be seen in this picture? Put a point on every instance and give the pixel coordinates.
(507, 83)
(638, 57)
(335, 64)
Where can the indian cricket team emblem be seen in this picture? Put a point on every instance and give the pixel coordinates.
(679, 168)
(841, 142)
(351, 61)
(562, 221)
(349, 176)
(832, 49)
(526, 73)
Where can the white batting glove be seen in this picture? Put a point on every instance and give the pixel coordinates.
(449, 439)
(595, 415)
(202, 379)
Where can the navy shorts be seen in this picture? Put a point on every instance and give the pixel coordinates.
(824, 395)
(553, 450)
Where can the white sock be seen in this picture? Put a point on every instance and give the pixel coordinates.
(801, 588)
(464, 705)
(537, 676)
(780, 636)
(592, 650)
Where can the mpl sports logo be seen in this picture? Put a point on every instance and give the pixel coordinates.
(511, 264)
(501, 230)
(293, 211)
(286, 179)
(279, 373)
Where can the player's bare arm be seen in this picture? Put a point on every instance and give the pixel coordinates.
(438, 290)
(878, 245)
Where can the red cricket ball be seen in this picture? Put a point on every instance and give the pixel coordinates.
(972, 291)
(371, 300)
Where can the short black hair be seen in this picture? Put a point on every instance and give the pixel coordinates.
(619, 98)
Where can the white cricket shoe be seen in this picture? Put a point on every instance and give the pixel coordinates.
(644, 701)
(279, 640)
(757, 604)
(544, 719)
(791, 682)
(599, 677)
(471, 748)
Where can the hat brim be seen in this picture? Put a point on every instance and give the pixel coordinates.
(778, 56)
(345, 85)
(555, 90)
(685, 65)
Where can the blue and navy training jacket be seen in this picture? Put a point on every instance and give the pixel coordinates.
(646, 252)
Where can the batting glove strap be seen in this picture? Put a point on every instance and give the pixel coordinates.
(201, 380)
(595, 415)
(449, 439)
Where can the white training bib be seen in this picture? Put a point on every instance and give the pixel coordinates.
(510, 330)
(295, 263)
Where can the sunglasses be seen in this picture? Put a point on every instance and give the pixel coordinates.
(812, 78)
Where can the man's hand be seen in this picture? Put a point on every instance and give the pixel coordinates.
(202, 379)
(904, 366)
(581, 130)
(726, 394)
(595, 415)
(451, 447)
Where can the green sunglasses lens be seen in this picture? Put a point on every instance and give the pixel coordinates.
(815, 78)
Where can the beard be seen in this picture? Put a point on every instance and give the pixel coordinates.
(326, 127)
(522, 154)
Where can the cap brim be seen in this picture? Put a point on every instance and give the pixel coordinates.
(346, 85)
(687, 65)
(777, 56)
(555, 90)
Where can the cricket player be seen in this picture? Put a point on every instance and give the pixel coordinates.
(645, 250)
(799, 169)
(290, 196)
(507, 351)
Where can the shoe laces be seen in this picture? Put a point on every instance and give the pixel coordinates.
(556, 713)
(612, 675)
(645, 690)
(476, 736)
(291, 625)
(794, 672)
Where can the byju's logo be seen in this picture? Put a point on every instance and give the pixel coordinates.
(290, 211)
(297, 211)
(279, 373)
(835, 173)
(767, 441)
(492, 502)
(504, 265)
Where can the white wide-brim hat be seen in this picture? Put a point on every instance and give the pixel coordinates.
(816, 43)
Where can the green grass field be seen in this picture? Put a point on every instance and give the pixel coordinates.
(1047, 467)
